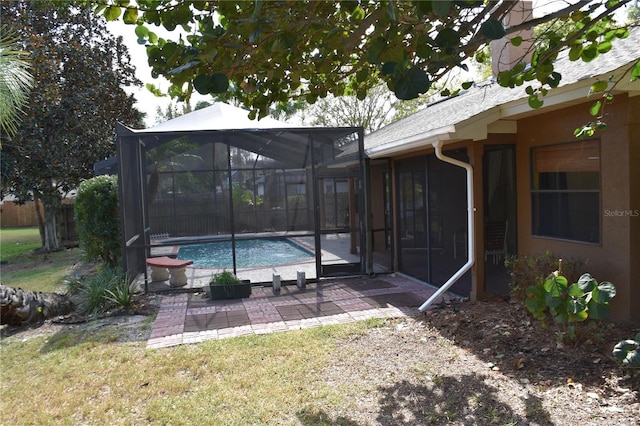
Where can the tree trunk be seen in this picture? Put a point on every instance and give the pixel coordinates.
(23, 307)
(38, 207)
(153, 185)
(50, 235)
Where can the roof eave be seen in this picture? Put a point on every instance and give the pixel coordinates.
(574, 93)
(411, 143)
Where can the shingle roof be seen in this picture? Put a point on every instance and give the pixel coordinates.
(483, 97)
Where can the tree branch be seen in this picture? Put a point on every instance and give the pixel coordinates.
(548, 17)
(581, 32)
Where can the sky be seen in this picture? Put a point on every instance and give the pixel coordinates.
(147, 102)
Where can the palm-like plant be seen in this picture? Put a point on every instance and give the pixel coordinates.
(15, 81)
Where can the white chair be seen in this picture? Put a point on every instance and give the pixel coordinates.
(460, 238)
(495, 240)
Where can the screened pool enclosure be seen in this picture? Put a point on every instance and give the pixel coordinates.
(215, 176)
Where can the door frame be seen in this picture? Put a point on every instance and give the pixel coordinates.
(355, 190)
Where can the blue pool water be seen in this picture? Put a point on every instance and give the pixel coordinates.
(248, 253)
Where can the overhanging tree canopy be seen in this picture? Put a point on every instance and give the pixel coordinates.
(281, 50)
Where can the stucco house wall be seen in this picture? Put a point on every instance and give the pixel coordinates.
(615, 258)
(487, 115)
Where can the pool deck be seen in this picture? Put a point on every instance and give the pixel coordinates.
(185, 318)
(335, 251)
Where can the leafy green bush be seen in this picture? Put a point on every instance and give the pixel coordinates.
(122, 295)
(224, 279)
(528, 270)
(97, 217)
(569, 304)
(245, 197)
(628, 352)
(95, 292)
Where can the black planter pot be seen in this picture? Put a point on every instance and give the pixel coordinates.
(236, 291)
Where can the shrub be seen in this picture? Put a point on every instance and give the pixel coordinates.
(569, 304)
(95, 291)
(98, 219)
(525, 271)
(226, 280)
(122, 295)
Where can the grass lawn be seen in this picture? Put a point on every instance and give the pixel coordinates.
(90, 374)
(453, 366)
(80, 377)
(15, 242)
(21, 268)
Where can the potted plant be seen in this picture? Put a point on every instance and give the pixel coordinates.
(225, 285)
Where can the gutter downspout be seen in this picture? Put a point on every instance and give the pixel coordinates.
(470, 225)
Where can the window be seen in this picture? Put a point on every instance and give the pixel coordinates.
(565, 192)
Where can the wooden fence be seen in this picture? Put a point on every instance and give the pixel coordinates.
(13, 215)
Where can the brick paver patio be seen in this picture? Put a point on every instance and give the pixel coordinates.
(194, 318)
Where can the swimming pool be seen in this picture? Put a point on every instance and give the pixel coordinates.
(249, 253)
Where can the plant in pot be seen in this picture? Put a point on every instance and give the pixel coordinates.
(226, 285)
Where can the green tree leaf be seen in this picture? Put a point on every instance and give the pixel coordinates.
(201, 84)
(556, 286)
(493, 29)
(112, 13)
(586, 282)
(575, 52)
(441, 7)
(575, 306)
(595, 108)
(554, 79)
(581, 315)
(142, 31)
(448, 37)
(412, 83)
(628, 352)
(575, 291)
(219, 83)
(635, 71)
(552, 301)
(590, 53)
(358, 13)
(604, 47)
(599, 86)
(130, 15)
(604, 292)
(535, 102)
(207, 84)
(598, 310)
(535, 301)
